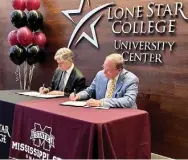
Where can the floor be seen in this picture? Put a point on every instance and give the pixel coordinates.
(157, 156)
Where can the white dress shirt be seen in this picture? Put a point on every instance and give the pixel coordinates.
(65, 79)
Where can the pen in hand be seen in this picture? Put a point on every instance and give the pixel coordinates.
(74, 93)
(43, 88)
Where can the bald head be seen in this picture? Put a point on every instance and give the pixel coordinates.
(116, 59)
(113, 65)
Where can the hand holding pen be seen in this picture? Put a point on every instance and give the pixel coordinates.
(73, 96)
(74, 92)
(43, 87)
(43, 90)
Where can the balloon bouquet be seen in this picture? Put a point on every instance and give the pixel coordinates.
(27, 43)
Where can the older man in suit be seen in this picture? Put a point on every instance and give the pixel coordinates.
(112, 87)
(67, 77)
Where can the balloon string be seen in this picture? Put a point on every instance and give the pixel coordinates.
(25, 74)
(19, 71)
(30, 75)
(33, 67)
(29, 85)
(17, 74)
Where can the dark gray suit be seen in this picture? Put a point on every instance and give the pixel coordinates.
(76, 81)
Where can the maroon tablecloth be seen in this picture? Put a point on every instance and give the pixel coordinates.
(44, 129)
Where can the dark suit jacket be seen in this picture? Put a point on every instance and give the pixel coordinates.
(76, 81)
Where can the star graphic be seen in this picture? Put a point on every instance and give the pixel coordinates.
(94, 39)
(75, 11)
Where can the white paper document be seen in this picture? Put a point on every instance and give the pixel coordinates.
(74, 103)
(37, 94)
(79, 104)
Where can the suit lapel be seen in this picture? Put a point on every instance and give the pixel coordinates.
(59, 79)
(104, 87)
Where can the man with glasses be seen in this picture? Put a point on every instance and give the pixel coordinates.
(67, 78)
(112, 87)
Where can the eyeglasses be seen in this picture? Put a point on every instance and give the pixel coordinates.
(108, 70)
(61, 63)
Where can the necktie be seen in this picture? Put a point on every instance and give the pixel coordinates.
(62, 82)
(111, 88)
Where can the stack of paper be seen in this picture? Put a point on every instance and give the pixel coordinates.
(75, 103)
(79, 104)
(37, 94)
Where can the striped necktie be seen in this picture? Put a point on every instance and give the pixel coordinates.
(62, 82)
(111, 88)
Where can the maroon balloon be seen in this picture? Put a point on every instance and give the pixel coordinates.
(24, 36)
(39, 38)
(18, 4)
(32, 4)
(12, 38)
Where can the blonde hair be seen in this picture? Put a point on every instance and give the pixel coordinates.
(64, 54)
(117, 59)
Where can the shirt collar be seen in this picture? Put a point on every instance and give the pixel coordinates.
(116, 78)
(70, 69)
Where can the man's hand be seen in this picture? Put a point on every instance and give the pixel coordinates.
(56, 93)
(74, 97)
(93, 103)
(43, 90)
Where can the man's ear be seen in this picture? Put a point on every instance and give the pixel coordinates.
(120, 69)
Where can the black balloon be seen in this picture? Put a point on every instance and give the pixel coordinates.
(17, 54)
(35, 20)
(41, 56)
(33, 52)
(18, 18)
